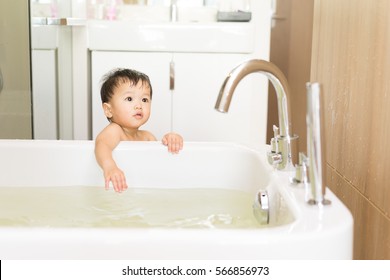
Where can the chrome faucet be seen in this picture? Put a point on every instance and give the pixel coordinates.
(283, 154)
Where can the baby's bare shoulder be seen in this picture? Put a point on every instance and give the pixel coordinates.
(147, 136)
(111, 130)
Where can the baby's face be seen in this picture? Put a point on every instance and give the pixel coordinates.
(130, 105)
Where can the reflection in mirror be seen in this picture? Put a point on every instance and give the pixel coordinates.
(62, 53)
(59, 69)
(51, 57)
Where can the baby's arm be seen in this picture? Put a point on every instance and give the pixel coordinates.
(174, 142)
(105, 143)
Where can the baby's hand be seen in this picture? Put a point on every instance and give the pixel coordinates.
(174, 142)
(117, 178)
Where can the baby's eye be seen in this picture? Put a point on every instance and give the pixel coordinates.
(146, 100)
(129, 98)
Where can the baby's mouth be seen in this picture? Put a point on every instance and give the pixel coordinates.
(138, 115)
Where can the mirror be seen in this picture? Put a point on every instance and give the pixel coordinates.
(60, 57)
(60, 61)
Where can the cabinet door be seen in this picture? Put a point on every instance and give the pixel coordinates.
(198, 81)
(44, 89)
(155, 65)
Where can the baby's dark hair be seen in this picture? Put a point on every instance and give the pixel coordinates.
(121, 75)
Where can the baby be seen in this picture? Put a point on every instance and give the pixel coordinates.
(126, 96)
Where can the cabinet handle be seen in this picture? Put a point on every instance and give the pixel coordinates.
(67, 21)
(171, 75)
(58, 21)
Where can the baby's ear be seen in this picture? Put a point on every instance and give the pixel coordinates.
(107, 110)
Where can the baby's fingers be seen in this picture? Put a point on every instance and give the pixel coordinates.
(118, 182)
(175, 144)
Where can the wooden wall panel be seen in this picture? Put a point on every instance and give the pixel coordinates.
(291, 40)
(371, 226)
(350, 58)
(299, 64)
(279, 52)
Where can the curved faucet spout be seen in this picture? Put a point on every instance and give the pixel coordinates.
(282, 142)
(273, 73)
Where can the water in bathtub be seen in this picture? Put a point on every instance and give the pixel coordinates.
(86, 206)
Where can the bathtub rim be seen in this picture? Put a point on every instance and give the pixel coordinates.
(300, 229)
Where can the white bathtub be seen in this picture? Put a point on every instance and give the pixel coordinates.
(312, 233)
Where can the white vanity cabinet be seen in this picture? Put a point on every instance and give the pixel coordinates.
(44, 90)
(44, 45)
(199, 77)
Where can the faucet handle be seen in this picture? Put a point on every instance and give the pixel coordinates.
(276, 130)
(301, 175)
(274, 140)
(274, 156)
